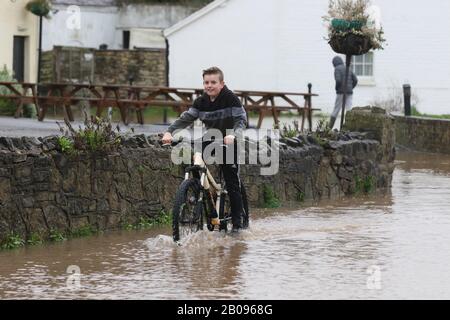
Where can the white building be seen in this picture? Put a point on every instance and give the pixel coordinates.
(278, 45)
(91, 23)
(19, 37)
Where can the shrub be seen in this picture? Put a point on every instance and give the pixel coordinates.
(13, 241)
(289, 131)
(96, 136)
(270, 198)
(7, 106)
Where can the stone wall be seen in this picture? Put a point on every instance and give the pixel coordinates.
(81, 65)
(42, 189)
(423, 134)
(148, 67)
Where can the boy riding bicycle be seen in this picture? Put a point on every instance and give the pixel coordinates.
(218, 108)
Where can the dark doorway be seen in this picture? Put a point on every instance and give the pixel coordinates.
(19, 58)
(126, 40)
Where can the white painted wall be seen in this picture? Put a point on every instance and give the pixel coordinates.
(96, 26)
(147, 38)
(104, 25)
(279, 45)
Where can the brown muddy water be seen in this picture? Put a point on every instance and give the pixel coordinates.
(394, 246)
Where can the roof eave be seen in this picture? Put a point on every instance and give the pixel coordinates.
(194, 17)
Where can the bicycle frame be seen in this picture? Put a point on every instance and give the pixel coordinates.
(210, 186)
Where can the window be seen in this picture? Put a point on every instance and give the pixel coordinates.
(362, 65)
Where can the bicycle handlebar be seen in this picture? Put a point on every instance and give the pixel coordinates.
(180, 139)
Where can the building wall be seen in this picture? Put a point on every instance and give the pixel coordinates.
(280, 46)
(89, 28)
(15, 20)
(104, 25)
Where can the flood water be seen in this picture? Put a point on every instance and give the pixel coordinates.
(394, 246)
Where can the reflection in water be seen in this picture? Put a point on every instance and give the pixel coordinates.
(326, 250)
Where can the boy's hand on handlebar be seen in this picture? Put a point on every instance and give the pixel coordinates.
(167, 138)
(229, 139)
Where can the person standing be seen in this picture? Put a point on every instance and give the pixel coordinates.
(339, 77)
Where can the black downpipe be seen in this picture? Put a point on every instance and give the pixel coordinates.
(167, 62)
(167, 77)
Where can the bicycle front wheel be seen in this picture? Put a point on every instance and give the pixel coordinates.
(187, 210)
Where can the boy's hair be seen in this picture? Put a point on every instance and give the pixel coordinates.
(213, 70)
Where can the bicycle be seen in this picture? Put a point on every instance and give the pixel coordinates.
(200, 198)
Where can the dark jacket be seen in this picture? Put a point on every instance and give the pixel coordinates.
(339, 76)
(225, 112)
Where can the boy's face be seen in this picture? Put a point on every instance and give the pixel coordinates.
(212, 84)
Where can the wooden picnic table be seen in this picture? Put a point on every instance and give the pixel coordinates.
(127, 97)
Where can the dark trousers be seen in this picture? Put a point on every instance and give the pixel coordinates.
(233, 185)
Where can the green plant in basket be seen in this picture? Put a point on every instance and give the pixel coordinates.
(351, 28)
(40, 8)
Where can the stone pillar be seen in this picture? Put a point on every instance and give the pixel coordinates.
(377, 125)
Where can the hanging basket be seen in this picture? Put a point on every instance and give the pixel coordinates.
(350, 44)
(39, 8)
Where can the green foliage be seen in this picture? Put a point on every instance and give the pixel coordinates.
(7, 106)
(300, 196)
(57, 236)
(66, 144)
(365, 185)
(12, 241)
(127, 226)
(39, 7)
(351, 16)
(29, 111)
(288, 131)
(270, 198)
(34, 239)
(162, 218)
(323, 132)
(96, 136)
(144, 223)
(322, 126)
(417, 113)
(84, 231)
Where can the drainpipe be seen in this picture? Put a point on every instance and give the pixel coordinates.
(167, 77)
(39, 52)
(167, 62)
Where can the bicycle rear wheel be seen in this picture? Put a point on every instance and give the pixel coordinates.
(187, 210)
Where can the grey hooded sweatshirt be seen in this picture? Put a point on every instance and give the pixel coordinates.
(339, 76)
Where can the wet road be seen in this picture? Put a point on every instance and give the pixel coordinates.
(394, 246)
